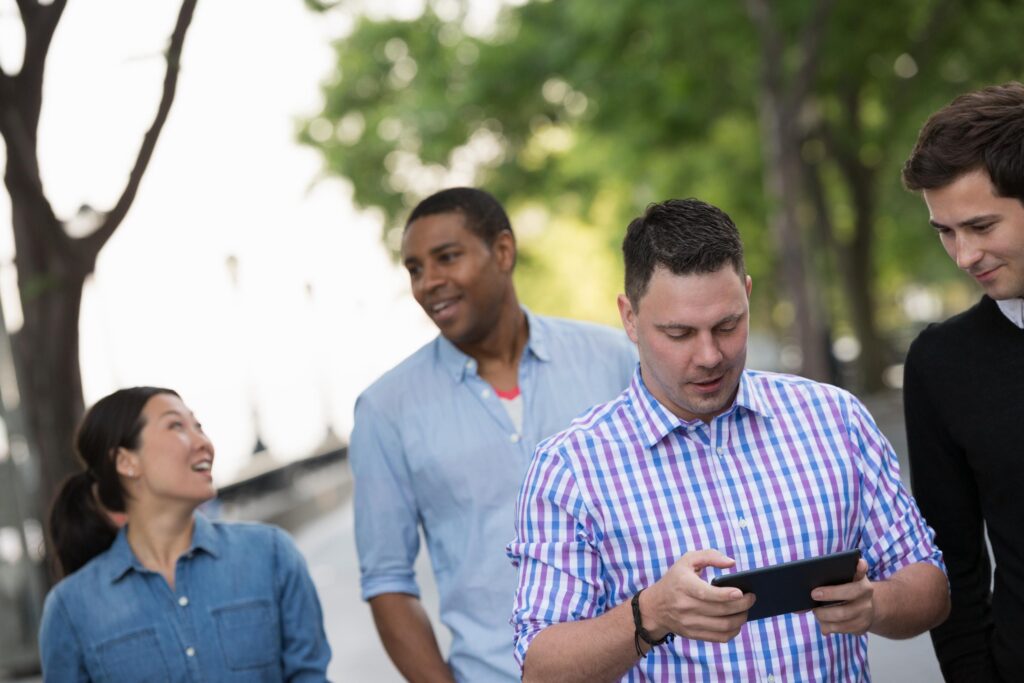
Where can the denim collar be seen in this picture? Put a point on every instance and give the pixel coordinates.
(458, 364)
(120, 559)
(655, 421)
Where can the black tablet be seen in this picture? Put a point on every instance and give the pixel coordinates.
(784, 588)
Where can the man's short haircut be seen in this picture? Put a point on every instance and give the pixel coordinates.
(686, 236)
(483, 214)
(983, 129)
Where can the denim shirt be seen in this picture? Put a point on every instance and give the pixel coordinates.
(243, 609)
(433, 448)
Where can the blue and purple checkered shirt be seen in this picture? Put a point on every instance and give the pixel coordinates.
(793, 470)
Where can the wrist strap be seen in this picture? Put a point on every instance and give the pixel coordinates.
(640, 633)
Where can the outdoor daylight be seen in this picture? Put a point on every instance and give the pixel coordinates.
(484, 340)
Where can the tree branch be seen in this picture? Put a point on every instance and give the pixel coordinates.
(21, 155)
(40, 23)
(760, 13)
(20, 102)
(810, 50)
(26, 8)
(95, 241)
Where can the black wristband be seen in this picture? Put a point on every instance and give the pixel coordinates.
(640, 633)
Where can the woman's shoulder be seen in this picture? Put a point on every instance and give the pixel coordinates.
(85, 587)
(245, 537)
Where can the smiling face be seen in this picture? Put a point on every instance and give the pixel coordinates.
(174, 456)
(458, 280)
(982, 232)
(691, 333)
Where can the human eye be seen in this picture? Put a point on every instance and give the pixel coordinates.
(449, 255)
(677, 334)
(175, 424)
(414, 270)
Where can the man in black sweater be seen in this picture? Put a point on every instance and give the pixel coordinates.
(964, 381)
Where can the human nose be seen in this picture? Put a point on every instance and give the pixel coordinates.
(201, 441)
(708, 354)
(431, 278)
(966, 251)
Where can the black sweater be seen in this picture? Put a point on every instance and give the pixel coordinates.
(964, 403)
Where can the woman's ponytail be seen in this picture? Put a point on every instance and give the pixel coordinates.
(79, 528)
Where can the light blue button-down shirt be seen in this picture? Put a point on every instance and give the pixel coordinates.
(434, 447)
(243, 608)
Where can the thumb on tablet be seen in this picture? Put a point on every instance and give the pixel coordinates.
(699, 559)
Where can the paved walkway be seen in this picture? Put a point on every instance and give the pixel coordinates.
(329, 546)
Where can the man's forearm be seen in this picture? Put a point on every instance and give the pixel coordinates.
(913, 600)
(408, 637)
(590, 650)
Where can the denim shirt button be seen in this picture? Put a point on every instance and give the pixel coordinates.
(183, 601)
(190, 651)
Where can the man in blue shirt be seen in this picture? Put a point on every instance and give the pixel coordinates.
(442, 441)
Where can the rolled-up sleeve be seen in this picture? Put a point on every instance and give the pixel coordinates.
(386, 519)
(894, 534)
(559, 566)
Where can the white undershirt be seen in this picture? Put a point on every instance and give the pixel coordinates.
(1014, 310)
(514, 408)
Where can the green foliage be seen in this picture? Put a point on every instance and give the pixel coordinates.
(592, 110)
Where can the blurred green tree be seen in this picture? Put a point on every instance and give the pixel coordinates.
(793, 115)
(52, 265)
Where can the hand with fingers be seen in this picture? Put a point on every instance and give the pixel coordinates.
(856, 609)
(682, 602)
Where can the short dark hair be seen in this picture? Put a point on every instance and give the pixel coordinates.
(981, 129)
(79, 528)
(484, 215)
(685, 236)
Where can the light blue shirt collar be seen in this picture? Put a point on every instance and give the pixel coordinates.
(457, 363)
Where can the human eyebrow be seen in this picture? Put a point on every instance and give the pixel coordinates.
(729, 320)
(171, 412)
(673, 327)
(972, 222)
(442, 247)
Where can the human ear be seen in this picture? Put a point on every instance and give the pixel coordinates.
(628, 316)
(127, 463)
(504, 248)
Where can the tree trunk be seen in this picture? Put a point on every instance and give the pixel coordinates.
(51, 389)
(855, 259)
(52, 266)
(854, 262)
(783, 183)
(50, 282)
(781, 139)
(860, 285)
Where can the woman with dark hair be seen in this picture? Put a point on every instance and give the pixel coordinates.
(169, 596)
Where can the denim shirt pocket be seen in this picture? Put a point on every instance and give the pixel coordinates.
(248, 635)
(135, 656)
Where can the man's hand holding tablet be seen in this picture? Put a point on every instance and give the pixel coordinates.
(807, 584)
